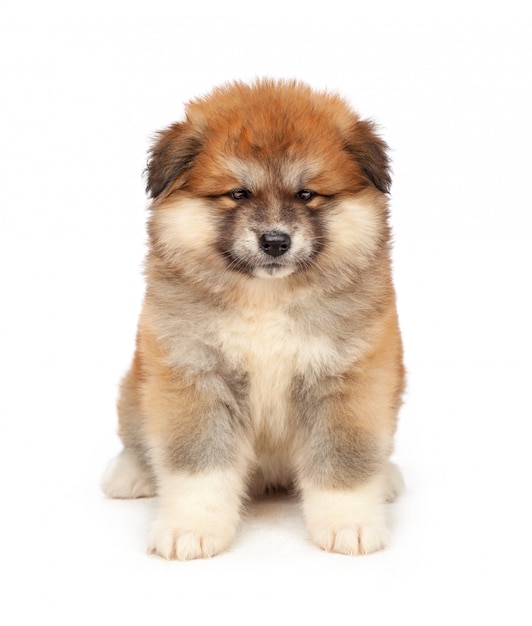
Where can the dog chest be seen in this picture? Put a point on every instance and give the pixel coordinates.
(272, 348)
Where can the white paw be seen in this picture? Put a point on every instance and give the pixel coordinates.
(177, 542)
(126, 478)
(353, 539)
(349, 521)
(198, 514)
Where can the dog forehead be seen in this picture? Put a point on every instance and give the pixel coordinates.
(290, 172)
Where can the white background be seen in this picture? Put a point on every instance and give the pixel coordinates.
(83, 89)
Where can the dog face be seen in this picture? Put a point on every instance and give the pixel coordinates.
(268, 181)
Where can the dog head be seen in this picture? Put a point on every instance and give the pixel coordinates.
(268, 180)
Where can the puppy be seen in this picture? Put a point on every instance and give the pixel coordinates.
(268, 350)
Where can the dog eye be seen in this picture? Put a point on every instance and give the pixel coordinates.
(305, 195)
(240, 194)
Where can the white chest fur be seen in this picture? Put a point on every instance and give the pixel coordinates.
(272, 348)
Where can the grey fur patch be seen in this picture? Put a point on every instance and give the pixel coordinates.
(330, 456)
(213, 438)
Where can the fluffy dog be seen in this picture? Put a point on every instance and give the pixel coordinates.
(268, 349)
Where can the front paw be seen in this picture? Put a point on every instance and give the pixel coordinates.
(179, 542)
(198, 514)
(349, 522)
(346, 537)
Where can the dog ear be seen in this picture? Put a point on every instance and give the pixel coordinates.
(172, 153)
(371, 153)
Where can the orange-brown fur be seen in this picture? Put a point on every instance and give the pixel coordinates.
(280, 370)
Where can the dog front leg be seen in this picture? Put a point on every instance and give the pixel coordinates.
(346, 426)
(200, 455)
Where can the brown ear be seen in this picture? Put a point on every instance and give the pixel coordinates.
(371, 153)
(173, 153)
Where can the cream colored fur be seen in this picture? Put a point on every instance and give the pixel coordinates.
(198, 515)
(347, 521)
(126, 478)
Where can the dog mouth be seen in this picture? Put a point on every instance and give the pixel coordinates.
(273, 270)
(254, 265)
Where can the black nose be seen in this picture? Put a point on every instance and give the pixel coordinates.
(275, 243)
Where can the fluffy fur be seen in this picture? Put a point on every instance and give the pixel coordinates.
(268, 350)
